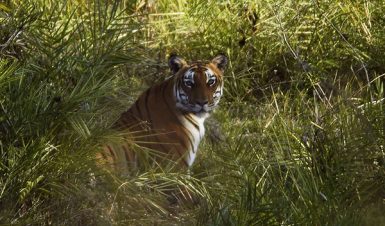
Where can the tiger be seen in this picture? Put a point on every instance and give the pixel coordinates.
(169, 116)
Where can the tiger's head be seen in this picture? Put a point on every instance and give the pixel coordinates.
(198, 86)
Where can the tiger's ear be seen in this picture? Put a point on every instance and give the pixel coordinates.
(176, 63)
(220, 61)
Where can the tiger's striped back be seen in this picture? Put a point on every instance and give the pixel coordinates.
(169, 117)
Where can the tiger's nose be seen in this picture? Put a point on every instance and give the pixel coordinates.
(202, 103)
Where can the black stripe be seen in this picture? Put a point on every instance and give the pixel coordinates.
(111, 152)
(179, 84)
(165, 100)
(189, 139)
(146, 103)
(177, 92)
(188, 117)
(184, 145)
(123, 118)
(104, 156)
(138, 108)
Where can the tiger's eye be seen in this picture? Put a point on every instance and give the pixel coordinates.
(189, 84)
(211, 82)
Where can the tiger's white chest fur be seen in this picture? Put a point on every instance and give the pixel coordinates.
(197, 132)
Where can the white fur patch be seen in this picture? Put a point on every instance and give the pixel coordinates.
(197, 135)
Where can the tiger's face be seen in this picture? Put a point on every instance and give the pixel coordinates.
(199, 86)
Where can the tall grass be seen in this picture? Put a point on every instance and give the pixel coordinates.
(58, 72)
(298, 138)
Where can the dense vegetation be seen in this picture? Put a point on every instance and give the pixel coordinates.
(298, 139)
